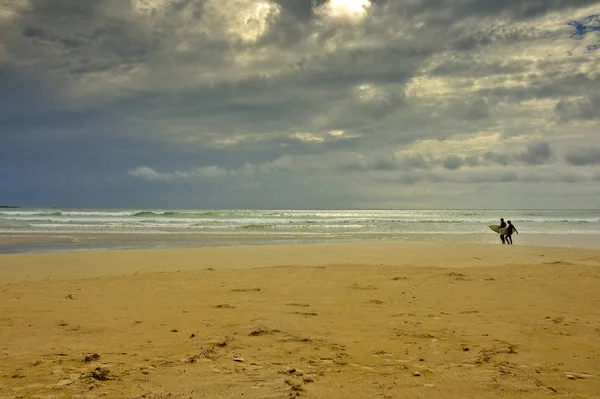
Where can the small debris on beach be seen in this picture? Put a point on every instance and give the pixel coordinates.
(100, 374)
(92, 357)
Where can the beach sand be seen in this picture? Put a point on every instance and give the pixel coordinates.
(368, 320)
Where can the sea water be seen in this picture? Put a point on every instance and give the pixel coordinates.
(27, 230)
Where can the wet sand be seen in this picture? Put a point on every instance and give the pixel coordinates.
(388, 320)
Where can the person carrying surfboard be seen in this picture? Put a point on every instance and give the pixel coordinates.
(502, 225)
(511, 228)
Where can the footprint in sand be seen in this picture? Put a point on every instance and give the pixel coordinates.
(225, 306)
(458, 276)
(306, 313)
(262, 331)
(364, 287)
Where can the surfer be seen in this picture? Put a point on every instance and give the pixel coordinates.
(510, 228)
(502, 225)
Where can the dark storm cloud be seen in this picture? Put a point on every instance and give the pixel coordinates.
(469, 67)
(453, 163)
(67, 38)
(390, 163)
(385, 165)
(454, 177)
(584, 156)
(478, 109)
(300, 9)
(480, 177)
(494, 157)
(171, 93)
(414, 161)
(557, 177)
(536, 154)
(578, 108)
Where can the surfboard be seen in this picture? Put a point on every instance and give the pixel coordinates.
(503, 231)
(495, 228)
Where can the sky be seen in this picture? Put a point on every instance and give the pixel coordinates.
(300, 104)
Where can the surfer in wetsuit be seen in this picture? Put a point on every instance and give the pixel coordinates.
(511, 229)
(502, 225)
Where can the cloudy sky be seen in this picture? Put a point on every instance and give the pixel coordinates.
(300, 103)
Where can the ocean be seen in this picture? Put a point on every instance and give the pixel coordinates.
(40, 230)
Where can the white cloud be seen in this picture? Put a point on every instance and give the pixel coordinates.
(207, 172)
(147, 173)
(247, 20)
(150, 6)
(352, 10)
(211, 172)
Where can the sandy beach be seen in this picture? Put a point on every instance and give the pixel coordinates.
(369, 320)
